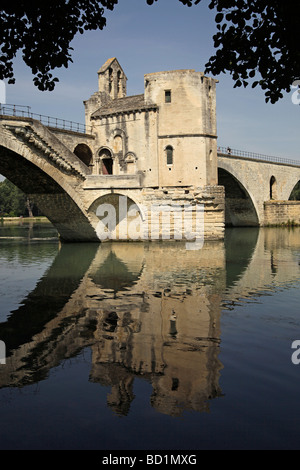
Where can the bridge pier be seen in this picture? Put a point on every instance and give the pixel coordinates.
(71, 223)
(160, 213)
(282, 213)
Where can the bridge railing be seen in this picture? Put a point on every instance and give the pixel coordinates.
(48, 121)
(256, 156)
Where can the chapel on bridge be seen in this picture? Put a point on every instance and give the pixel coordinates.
(165, 137)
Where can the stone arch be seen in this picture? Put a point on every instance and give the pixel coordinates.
(48, 186)
(295, 196)
(84, 153)
(118, 144)
(119, 217)
(117, 132)
(106, 161)
(240, 210)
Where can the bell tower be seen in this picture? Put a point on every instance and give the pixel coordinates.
(112, 80)
(112, 84)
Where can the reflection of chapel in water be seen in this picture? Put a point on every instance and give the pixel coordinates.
(146, 311)
(161, 322)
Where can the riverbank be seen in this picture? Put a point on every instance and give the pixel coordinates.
(10, 220)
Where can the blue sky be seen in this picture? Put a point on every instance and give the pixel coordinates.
(164, 36)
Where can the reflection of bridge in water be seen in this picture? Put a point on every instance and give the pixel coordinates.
(145, 310)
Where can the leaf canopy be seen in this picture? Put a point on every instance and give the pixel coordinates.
(255, 40)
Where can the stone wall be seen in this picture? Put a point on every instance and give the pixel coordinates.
(176, 113)
(71, 138)
(163, 214)
(186, 122)
(282, 213)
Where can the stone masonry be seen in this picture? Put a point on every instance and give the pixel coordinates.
(282, 213)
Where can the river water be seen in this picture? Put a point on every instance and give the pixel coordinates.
(148, 345)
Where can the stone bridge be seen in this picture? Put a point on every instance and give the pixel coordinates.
(53, 166)
(40, 164)
(255, 185)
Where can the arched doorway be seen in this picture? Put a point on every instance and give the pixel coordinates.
(106, 162)
(84, 153)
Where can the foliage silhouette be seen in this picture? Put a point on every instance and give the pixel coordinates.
(256, 40)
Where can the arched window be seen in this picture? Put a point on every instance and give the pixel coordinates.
(273, 194)
(169, 153)
(106, 160)
(118, 144)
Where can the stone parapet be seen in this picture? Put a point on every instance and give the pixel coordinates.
(112, 181)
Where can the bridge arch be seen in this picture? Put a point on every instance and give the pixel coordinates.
(119, 217)
(48, 182)
(240, 210)
(296, 187)
(84, 153)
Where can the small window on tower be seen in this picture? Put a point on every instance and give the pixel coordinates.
(169, 152)
(167, 96)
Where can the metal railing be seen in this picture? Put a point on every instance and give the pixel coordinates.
(48, 121)
(227, 151)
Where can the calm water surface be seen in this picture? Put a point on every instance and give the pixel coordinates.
(149, 346)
